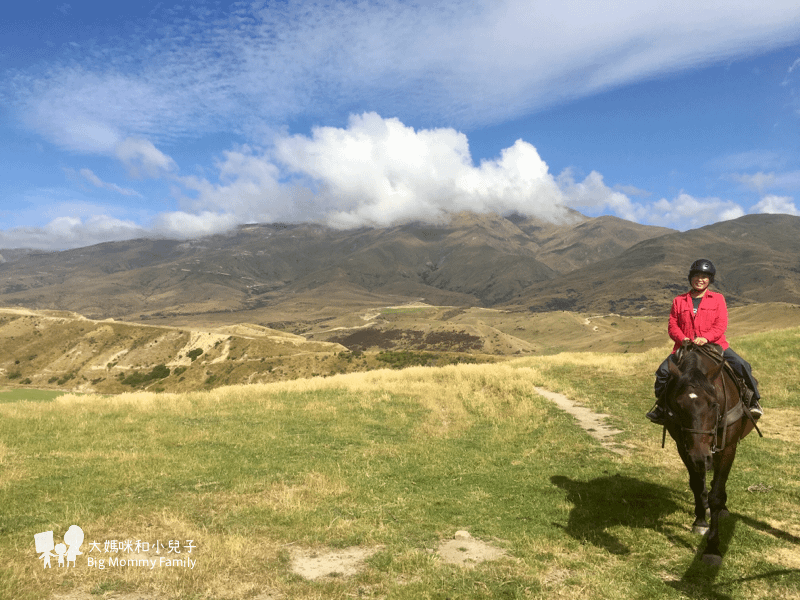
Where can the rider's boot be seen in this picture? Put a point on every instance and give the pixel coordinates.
(658, 414)
(752, 403)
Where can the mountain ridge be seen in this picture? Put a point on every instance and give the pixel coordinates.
(600, 264)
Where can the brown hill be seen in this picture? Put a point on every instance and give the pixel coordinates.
(474, 260)
(297, 276)
(757, 259)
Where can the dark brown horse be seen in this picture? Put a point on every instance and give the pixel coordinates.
(707, 420)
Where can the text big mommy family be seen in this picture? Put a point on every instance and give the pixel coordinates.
(150, 563)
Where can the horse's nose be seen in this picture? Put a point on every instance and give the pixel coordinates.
(702, 461)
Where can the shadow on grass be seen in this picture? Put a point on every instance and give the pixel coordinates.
(700, 579)
(606, 502)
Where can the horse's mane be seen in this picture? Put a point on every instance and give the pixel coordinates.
(690, 365)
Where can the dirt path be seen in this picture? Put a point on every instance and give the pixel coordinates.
(595, 424)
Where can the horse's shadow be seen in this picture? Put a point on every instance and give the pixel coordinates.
(700, 579)
(605, 502)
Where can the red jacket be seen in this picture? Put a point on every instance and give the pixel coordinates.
(710, 322)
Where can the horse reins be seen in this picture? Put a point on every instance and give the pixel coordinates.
(720, 416)
(724, 425)
(721, 420)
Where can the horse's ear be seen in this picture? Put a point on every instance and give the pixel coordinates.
(714, 372)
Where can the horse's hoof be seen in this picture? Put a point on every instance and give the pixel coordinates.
(712, 560)
(700, 529)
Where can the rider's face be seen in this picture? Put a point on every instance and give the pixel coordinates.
(700, 282)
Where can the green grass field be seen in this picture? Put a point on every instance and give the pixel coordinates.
(29, 395)
(396, 461)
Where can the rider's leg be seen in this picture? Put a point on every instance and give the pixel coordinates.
(658, 414)
(745, 371)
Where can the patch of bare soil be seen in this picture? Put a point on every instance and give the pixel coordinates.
(593, 423)
(462, 550)
(316, 564)
(465, 551)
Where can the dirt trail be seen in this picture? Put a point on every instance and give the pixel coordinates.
(595, 424)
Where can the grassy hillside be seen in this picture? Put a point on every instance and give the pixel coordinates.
(65, 351)
(393, 462)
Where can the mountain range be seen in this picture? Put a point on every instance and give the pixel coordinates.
(271, 273)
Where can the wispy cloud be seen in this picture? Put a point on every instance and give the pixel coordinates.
(461, 64)
(444, 66)
(90, 176)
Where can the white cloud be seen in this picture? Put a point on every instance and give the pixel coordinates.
(682, 212)
(90, 176)
(787, 80)
(143, 159)
(774, 205)
(379, 172)
(182, 225)
(71, 232)
(250, 189)
(594, 195)
(374, 172)
(756, 181)
(631, 190)
(687, 212)
(762, 181)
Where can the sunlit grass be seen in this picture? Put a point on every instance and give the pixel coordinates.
(400, 460)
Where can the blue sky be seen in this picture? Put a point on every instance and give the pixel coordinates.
(157, 119)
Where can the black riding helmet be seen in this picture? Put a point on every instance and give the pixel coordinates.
(703, 265)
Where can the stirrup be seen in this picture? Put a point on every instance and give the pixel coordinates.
(657, 415)
(756, 410)
(748, 397)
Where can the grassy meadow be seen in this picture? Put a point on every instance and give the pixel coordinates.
(396, 461)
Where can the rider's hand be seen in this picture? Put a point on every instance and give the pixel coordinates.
(700, 341)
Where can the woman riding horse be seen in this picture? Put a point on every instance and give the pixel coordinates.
(701, 316)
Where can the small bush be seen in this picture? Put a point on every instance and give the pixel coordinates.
(139, 378)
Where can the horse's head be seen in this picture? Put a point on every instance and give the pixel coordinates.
(692, 398)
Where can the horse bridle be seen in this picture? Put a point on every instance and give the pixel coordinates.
(720, 422)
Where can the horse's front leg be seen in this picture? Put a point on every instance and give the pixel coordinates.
(723, 461)
(697, 483)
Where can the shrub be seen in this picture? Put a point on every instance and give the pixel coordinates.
(139, 378)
